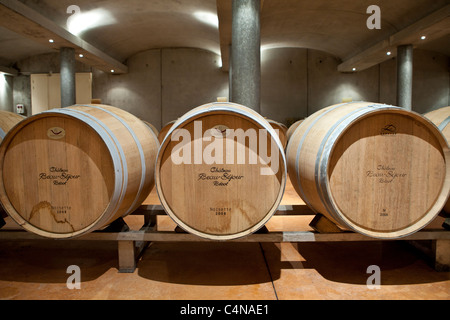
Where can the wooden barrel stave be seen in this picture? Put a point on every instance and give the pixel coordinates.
(7, 121)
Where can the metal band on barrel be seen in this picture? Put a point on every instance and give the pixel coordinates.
(444, 123)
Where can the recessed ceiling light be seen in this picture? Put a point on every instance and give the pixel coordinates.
(388, 53)
(423, 37)
(51, 40)
(112, 71)
(354, 69)
(81, 55)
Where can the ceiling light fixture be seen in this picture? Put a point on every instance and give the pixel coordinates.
(354, 69)
(81, 55)
(51, 40)
(83, 21)
(112, 71)
(423, 37)
(388, 53)
(207, 18)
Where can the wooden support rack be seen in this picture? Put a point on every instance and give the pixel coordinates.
(435, 242)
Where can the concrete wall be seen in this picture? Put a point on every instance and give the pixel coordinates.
(22, 92)
(284, 84)
(298, 82)
(190, 78)
(6, 93)
(46, 63)
(138, 92)
(326, 86)
(43, 63)
(431, 81)
(163, 84)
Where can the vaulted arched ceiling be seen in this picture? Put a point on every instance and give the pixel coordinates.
(119, 29)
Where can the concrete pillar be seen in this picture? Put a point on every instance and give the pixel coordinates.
(68, 95)
(245, 69)
(404, 76)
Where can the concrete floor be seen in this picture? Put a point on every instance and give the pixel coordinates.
(220, 270)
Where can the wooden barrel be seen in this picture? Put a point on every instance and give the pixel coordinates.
(67, 172)
(224, 186)
(292, 129)
(7, 121)
(380, 170)
(152, 127)
(281, 130)
(162, 134)
(441, 118)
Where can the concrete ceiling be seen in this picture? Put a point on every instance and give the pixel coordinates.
(15, 47)
(340, 27)
(139, 24)
(129, 27)
(337, 27)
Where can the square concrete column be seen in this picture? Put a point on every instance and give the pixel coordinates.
(67, 59)
(404, 76)
(245, 79)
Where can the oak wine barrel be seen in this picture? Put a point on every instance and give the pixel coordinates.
(165, 129)
(152, 127)
(441, 118)
(292, 129)
(7, 121)
(379, 170)
(281, 130)
(225, 187)
(67, 172)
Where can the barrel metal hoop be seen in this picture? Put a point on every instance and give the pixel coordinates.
(444, 124)
(2, 133)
